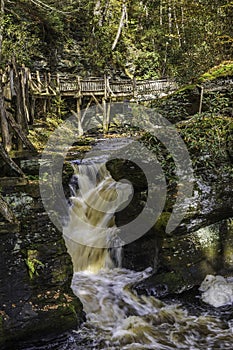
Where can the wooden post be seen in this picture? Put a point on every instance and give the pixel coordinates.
(105, 87)
(108, 115)
(12, 85)
(201, 98)
(22, 86)
(79, 87)
(39, 81)
(105, 124)
(49, 92)
(17, 101)
(46, 83)
(79, 117)
(58, 95)
(27, 103)
(44, 106)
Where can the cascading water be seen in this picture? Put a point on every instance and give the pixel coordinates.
(116, 318)
(91, 231)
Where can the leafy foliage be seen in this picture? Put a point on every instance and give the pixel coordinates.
(19, 42)
(157, 37)
(206, 138)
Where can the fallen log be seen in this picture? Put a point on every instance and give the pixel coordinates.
(9, 161)
(18, 130)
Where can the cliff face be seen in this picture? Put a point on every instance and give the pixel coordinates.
(35, 272)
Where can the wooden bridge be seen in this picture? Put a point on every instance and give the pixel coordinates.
(69, 85)
(26, 95)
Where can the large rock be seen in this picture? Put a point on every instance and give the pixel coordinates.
(35, 273)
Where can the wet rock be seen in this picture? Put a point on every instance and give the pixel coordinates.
(126, 169)
(161, 285)
(36, 300)
(142, 253)
(212, 202)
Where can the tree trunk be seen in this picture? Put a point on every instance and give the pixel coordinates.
(176, 23)
(4, 126)
(20, 108)
(2, 11)
(169, 18)
(161, 13)
(121, 24)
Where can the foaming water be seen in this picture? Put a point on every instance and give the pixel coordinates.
(116, 318)
(119, 319)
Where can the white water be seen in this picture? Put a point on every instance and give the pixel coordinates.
(117, 318)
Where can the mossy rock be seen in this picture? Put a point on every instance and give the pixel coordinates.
(225, 69)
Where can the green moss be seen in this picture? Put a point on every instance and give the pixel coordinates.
(223, 70)
(185, 88)
(33, 263)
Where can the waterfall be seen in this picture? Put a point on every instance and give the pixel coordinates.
(91, 234)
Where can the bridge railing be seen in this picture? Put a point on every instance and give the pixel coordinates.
(124, 86)
(71, 85)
